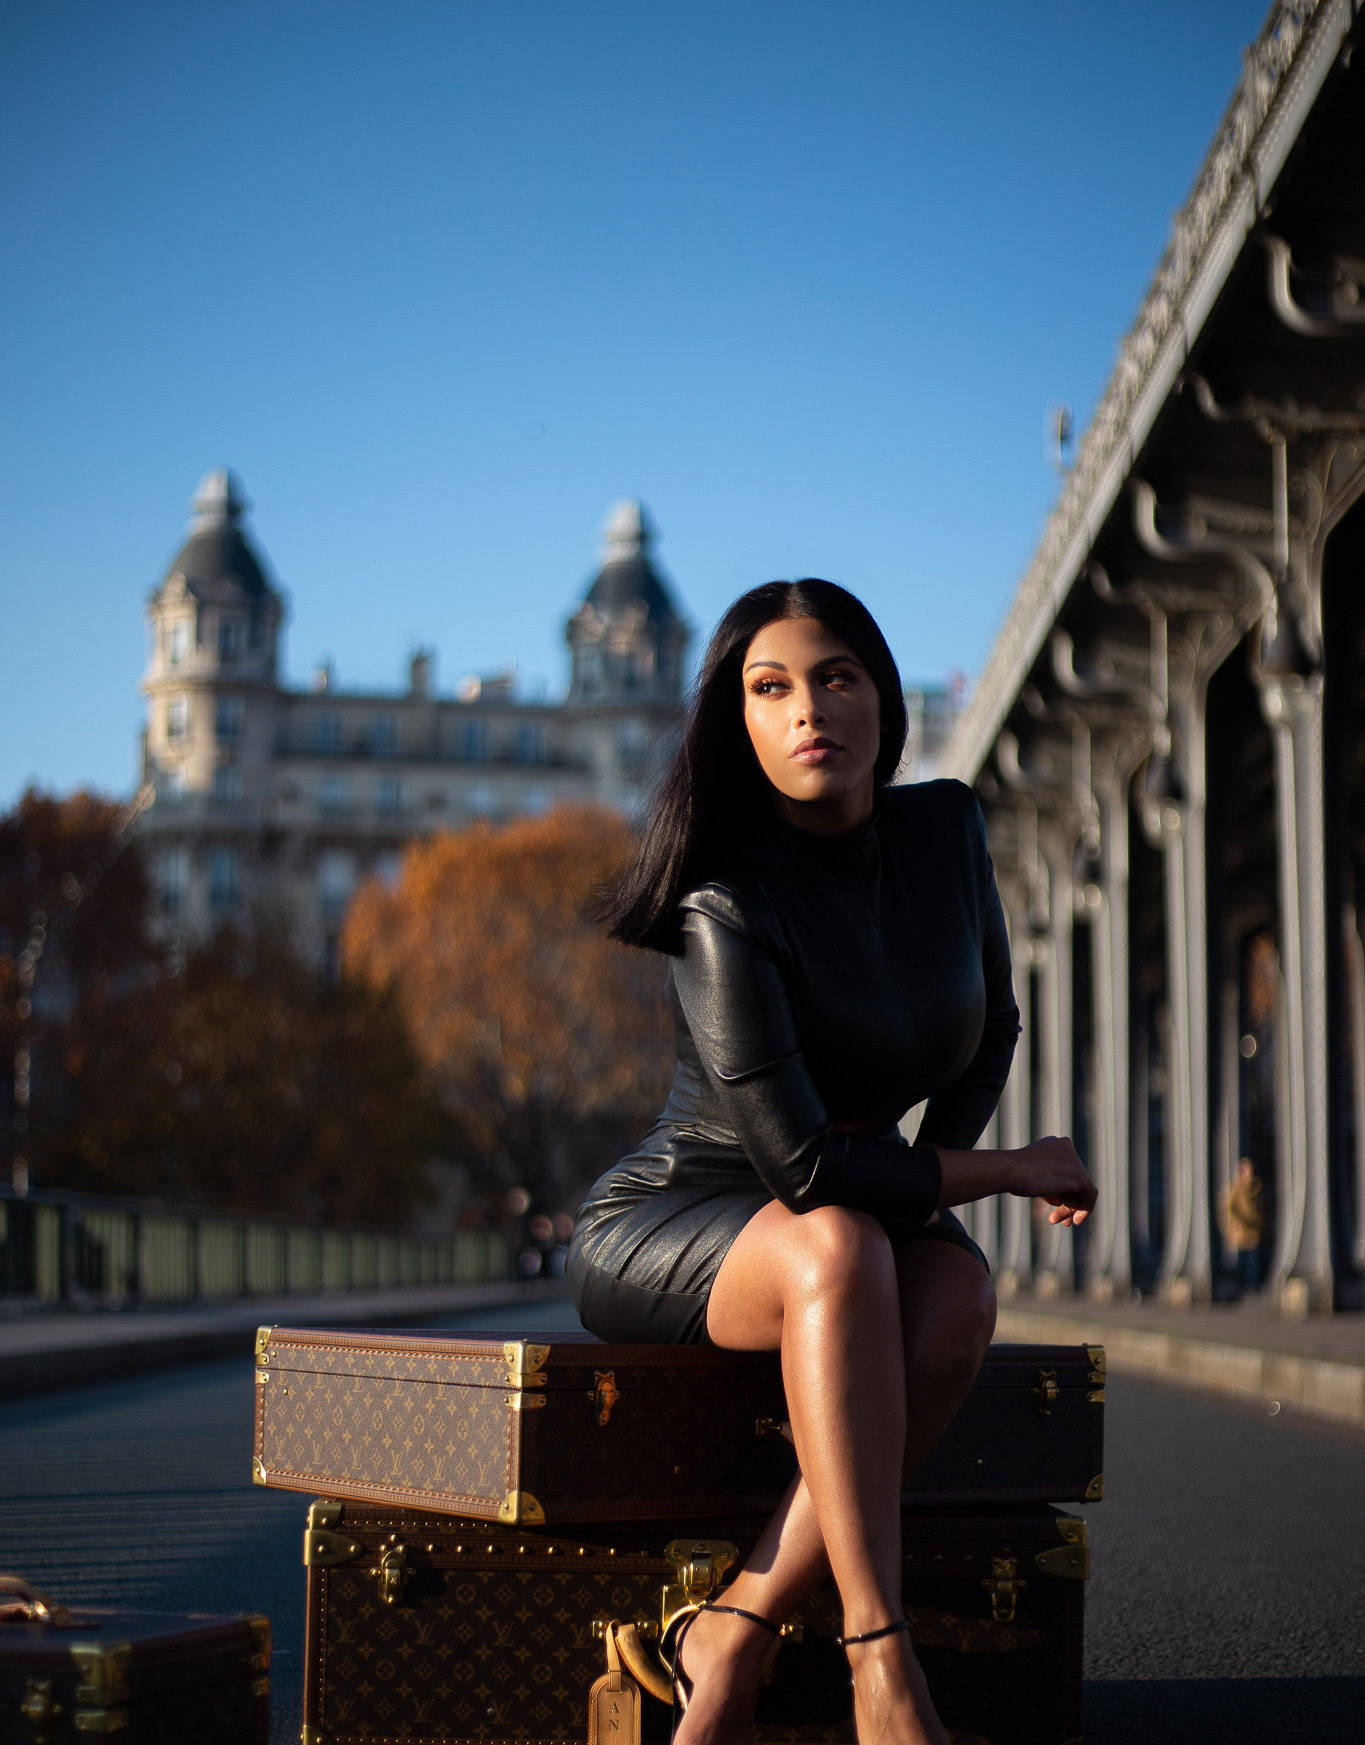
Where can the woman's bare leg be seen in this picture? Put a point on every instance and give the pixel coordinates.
(944, 1312)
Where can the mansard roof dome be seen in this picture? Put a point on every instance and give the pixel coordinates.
(217, 559)
(628, 578)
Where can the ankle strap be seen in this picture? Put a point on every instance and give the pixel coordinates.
(739, 1612)
(872, 1635)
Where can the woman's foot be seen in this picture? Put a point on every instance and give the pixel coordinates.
(719, 1663)
(891, 1701)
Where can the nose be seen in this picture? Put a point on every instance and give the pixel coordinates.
(807, 706)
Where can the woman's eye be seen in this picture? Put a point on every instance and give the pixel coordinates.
(766, 687)
(841, 676)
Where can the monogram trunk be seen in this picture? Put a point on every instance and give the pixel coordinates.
(145, 1677)
(446, 1632)
(529, 1432)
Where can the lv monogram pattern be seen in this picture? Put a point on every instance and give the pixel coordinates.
(424, 1428)
(416, 1421)
(492, 1639)
(408, 1439)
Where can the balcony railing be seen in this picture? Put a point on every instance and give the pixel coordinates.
(80, 1250)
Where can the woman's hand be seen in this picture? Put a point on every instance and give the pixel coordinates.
(1050, 1170)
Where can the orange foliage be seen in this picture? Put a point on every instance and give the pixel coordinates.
(549, 1044)
(239, 1080)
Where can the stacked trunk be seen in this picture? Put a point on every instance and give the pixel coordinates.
(492, 1507)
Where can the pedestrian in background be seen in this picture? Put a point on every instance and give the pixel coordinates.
(1244, 1223)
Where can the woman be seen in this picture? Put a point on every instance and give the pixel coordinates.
(838, 956)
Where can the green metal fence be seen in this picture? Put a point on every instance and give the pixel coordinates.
(57, 1248)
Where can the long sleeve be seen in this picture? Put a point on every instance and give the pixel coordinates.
(740, 1018)
(956, 1117)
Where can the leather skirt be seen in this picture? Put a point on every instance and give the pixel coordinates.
(652, 1233)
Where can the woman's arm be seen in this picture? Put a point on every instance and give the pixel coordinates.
(956, 1117)
(1049, 1169)
(741, 1021)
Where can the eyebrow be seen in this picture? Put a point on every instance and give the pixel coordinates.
(829, 660)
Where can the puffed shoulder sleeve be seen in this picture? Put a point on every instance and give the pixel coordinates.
(956, 1117)
(739, 1014)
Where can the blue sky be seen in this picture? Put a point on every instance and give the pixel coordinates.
(443, 281)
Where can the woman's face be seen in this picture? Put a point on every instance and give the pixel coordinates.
(815, 722)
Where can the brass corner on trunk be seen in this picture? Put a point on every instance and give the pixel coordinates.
(263, 1338)
(525, 1363)
(520, 1509)
(1071, 1559)
(101, 1673)
(259, 1626)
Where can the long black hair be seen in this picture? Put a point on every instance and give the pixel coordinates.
(713, 789)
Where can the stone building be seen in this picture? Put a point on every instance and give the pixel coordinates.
(266, 798)
(1169, 735)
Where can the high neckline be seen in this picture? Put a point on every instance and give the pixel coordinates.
(852, 851)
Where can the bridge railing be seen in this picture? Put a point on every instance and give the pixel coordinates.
(83, 1250)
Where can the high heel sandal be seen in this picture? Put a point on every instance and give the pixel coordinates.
(682, 1684)
(872, 1635)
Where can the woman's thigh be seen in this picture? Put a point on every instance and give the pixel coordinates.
(947, 1303)
(782, 1259)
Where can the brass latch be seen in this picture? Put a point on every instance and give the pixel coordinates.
(1046, 1391)
(40, 1709)
(605, 1393)
(1004, 1586)
(699, 1565)
(392, 1571)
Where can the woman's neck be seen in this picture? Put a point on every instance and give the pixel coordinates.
(839, 815)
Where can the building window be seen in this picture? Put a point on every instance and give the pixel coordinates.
(589, 668)
(327, 733)
(225, 879)
(387, 867)
(388, 796)
(173, 781)
(334, 794)
(178, 718)
(481, 800)
(178, 642)
(474, 740)
(231, 638)
(530, 742)
(228, 715)
(227, 782)
(382, 737)
(336, 881)
(173, 879)
(644, 663)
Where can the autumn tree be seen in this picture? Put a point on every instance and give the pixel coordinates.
(549, 1045)
(235, 1078)
(73, 942)
(246, 1080)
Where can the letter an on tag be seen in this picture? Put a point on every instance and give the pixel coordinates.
(614, 1702)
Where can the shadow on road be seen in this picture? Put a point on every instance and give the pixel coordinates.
(1222, 1711)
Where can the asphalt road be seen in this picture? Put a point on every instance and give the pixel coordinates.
(1227, 1602)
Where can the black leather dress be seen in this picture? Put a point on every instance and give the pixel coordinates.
(822, 980)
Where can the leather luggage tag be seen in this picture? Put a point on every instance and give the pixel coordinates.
(614, 1701)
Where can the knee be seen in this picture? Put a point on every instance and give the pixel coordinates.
(837, 1249)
